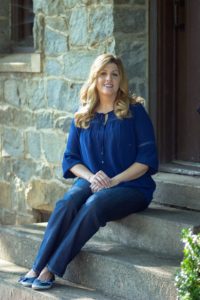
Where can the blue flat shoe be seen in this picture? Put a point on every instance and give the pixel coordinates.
(27, 281)
(43, 284)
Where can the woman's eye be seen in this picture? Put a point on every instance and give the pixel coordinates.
(115, 74)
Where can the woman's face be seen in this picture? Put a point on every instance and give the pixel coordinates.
(108, 81)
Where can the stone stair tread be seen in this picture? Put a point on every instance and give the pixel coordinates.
(177, 178)
(177, 190)
(157, 229)
(172, 214)
(63, 289)
(115, 269)
(138, 258)
(128, 272)
(166, 213)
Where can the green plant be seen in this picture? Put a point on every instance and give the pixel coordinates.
(187, 279)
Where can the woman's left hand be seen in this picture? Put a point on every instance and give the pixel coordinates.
(96, 187)
(99, 181)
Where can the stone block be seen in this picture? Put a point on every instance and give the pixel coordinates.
(1, 90)
(4, 9)
(53, 67)
(13, 143)
(26, 219)
(131, 2)
(77, 64)
(59, 23)
(22, 118)
(128, 20)
(134, 57)
(62, 96)
(5, 195)
(49, 7)
(44, 171)
(9, 217)
(35, 94)
(24, 169)
(5, 169)
(6, 115)
(78, 27)
(55, 43)
(53, 145)
(44, 119)
(33, 144)
(42, 195)
(14, 92)
(70, 3)
(63, 122)
(100, 24)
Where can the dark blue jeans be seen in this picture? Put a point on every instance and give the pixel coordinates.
(77, 217)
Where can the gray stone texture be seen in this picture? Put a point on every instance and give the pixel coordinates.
(42, 194)
(130, 2)
(128, 20)
(24, 169)
(53, 67)
(62, 96)
(5, 195)
(13, 143)
(1, 90)
(78, 63)
(49, 7)
(44, 119)
(53, 147)
(102, 20)
(15, 92)
(78, 27)
(54, 42)
(4, 9)
(33, 144)
(63, 122)
(35, 94)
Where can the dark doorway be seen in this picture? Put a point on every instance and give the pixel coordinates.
(177, 74)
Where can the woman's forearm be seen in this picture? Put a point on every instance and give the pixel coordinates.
(135, 171)
(80, 170)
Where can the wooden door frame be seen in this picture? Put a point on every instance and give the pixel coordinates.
(162, 85)
(162, 76)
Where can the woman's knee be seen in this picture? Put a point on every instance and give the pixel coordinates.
(97, 206)
(73, 198)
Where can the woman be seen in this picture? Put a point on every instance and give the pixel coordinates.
(111, 149)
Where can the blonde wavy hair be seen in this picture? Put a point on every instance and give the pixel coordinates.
(89, 96)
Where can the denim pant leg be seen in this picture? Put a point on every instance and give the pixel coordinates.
(101, 207)
(60, 221)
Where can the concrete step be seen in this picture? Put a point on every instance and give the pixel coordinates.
(117, 270)
(178, 190)
(157, 229)
(10, 289)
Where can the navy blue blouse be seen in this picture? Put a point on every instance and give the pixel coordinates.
(113, 146)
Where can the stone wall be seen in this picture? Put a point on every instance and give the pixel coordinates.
(36, 108)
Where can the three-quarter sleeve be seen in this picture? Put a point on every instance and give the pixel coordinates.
(146, 145)
(71, 155)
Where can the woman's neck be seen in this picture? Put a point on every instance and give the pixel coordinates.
(105, 105)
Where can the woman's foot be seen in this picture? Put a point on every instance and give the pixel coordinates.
(45, 275)
(28, 279)
(31, 273)
(44, 281)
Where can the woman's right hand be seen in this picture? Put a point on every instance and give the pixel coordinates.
(99, 181)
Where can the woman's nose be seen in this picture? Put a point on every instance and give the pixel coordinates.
(108, 77)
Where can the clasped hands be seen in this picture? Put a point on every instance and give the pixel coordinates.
(101, 181)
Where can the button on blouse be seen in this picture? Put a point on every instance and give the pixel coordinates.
(112, 145)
